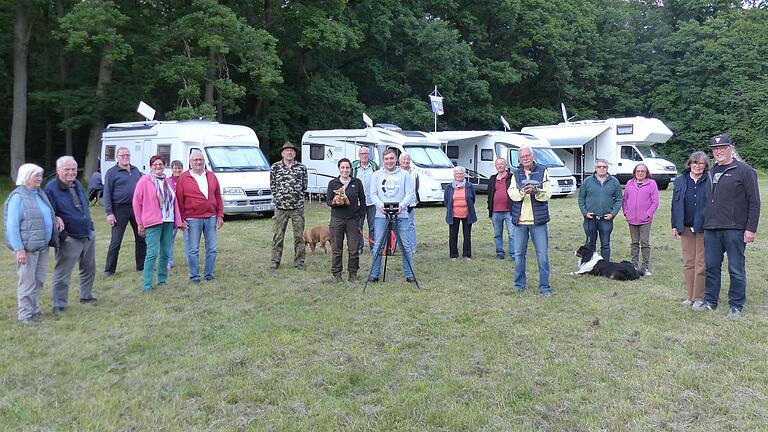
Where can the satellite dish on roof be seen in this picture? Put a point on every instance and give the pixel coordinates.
(146, 111)
(565, 114)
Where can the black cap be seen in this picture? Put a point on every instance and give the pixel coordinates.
(720, 140)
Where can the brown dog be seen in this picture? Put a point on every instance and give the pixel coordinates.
(315, 235)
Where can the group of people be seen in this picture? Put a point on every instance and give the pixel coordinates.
(715, 212)
(155, 205)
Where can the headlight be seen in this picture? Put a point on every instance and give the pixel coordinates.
(232, 191)
(671, 168)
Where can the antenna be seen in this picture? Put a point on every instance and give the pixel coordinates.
(146, 111)
(565, 114)
(367, 120)
(504, 123)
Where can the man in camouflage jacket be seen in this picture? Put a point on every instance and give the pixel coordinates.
(288, 181)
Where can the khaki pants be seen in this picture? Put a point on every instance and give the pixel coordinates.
(640, 239)
(31, 279)
(279, 225)
(694, 268)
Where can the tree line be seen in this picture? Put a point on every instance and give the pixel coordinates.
(283, 67)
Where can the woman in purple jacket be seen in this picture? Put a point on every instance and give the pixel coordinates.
(641, 200)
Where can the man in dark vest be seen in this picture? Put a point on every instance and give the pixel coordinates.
(530, 190)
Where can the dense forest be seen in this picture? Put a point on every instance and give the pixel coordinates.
(283, 67)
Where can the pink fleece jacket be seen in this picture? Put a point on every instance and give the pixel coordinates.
(146, 207)
(640, 202)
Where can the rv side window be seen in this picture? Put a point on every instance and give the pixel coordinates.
(628, 152)
(452, 152)
(486, 154)
(164, 150)
(316, 151)
(624, 129)
(109, 153)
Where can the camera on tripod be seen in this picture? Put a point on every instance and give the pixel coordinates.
(391, 208)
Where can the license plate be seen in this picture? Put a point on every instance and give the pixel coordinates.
(260, 208)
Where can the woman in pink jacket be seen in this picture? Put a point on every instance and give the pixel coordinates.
(641, 199)
(157, 212)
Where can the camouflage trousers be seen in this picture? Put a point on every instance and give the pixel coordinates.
(279, 225)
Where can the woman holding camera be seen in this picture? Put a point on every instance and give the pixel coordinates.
(346, 197)
(459, 198)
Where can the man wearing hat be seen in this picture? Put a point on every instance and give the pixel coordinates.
(730, 222)
(288, 181)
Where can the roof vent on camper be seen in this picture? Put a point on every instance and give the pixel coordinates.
(389, 126)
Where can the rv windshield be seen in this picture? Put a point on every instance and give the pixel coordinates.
(428, 157)
(547, 157)
(236, 158)
(647, 151)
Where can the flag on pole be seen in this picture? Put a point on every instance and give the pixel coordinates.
(437, 104)
(367, 120)
(505, 123)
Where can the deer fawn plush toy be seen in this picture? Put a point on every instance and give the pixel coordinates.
(340, 199)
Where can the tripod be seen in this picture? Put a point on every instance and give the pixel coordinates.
(385, 243)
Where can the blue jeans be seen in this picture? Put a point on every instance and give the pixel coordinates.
(730, 242)
(206, 227)
(379, 228)
(499, 219)
(603, 228)
(412, 228)
(540, 236)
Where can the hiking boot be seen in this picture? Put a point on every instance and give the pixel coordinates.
(337, 278)
(352, 277)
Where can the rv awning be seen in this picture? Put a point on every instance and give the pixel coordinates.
(568, 136)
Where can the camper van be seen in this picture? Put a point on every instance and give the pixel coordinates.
(477, 151)
(623, 142)
(322, 149)
(231, 152)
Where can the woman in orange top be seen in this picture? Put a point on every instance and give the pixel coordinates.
(459, 199)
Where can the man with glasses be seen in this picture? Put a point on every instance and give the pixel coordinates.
(202, 210)
(530, 190)
(730, 222)
(119, 184)
(364, 169)
(600, 199)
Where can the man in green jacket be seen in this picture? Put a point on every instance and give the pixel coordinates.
(600, 200)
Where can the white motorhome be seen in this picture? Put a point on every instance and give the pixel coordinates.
(231, 152)
(477, 151)
(322, 149)
(624, 142)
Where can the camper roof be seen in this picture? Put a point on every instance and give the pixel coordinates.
(375, 135)
(626, 129)
(195, 130)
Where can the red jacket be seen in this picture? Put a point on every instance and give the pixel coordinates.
(192, 203)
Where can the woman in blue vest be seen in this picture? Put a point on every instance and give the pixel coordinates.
(30, 227)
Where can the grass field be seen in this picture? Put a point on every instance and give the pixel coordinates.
(299, 353)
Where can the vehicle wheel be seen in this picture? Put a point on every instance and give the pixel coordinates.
(269, 214)
(664, 186)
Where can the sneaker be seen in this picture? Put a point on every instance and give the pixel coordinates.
(58, 310)
(733, 314)
(468, 258)
(686, 302)
(546, 294)
(647, 273)
(704, 306)
(499, 257)
(352, 277)
(373, 279)
(28, 321)
(410, 279)
(697, 305)
(300, 267)
(454, 259)
(107, 274)
(91, 301)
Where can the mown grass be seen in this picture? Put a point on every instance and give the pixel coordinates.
(297, 352)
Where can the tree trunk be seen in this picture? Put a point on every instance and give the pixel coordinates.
(211, 76)
(63, 76)
(22, 32)
(100, 114)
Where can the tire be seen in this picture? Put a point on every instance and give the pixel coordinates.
(269, 214)
(664, 186)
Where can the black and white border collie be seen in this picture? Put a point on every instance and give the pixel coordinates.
(590, 262)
